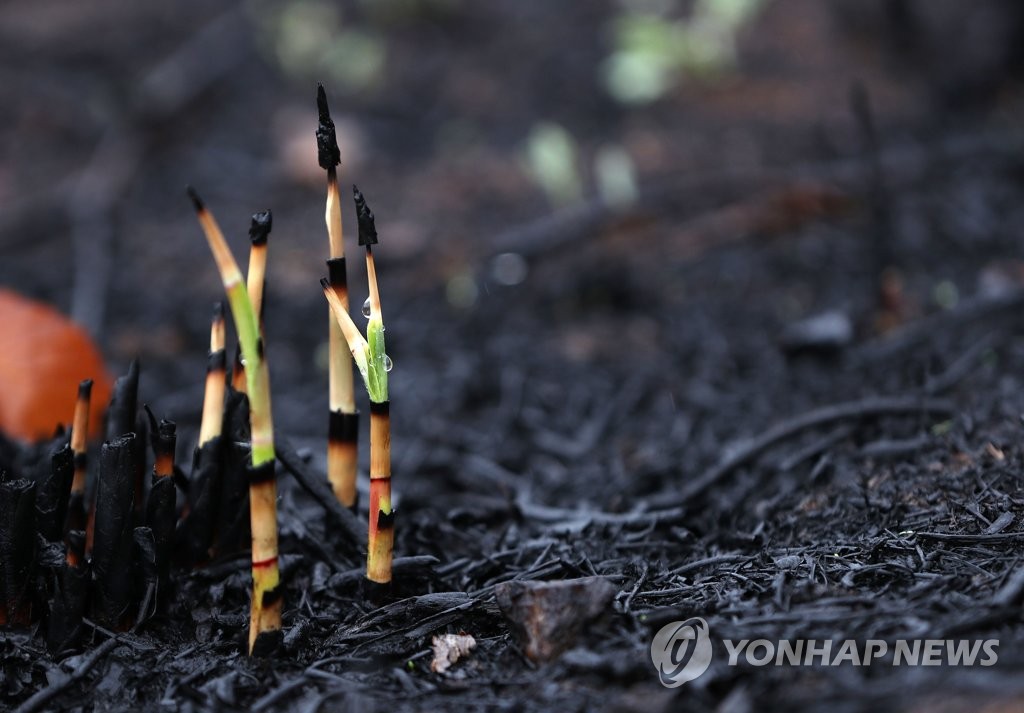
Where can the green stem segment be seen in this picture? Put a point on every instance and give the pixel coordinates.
(265, 615)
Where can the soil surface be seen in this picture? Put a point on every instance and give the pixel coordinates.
(637, 392)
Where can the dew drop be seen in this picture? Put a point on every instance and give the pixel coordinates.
(366, 308)
(388, 364)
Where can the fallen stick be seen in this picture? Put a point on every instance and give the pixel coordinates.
(709, 561)
(902, 165)
(320, 490)
(966, 539)
(556, 515)
(870, 407)
(41, 698)
(969, 311)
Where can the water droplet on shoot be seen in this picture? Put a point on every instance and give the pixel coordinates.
(366, 308)
(388, 364)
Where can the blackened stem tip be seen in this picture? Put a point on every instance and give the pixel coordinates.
(197, 202)
(259, 230)
(321, 102)
(364, 216)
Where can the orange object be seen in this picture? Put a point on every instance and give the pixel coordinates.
(43, 357)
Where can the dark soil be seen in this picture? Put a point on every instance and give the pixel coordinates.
(640, 407)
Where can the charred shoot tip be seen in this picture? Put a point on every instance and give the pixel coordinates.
(259, 230)
(85, 388)
(321, 102)
(327, 152)
(152, 419)
(218, 312)
(367, 227)
(197, 202)
(325, 284)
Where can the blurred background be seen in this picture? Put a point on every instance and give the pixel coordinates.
(565, 192)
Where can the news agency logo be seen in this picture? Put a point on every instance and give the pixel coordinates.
(682, 650)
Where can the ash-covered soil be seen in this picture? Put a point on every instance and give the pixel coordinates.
(640, 406)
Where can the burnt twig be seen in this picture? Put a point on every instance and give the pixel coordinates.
(870, 407)
(44, 696)
(319, 490)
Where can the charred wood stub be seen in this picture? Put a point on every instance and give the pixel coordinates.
(145, 570)
(232, 527)
(233, 532)
(112, 539)
(121, 415)
(17, 550)
(197, 533)
(67, 605)
(53, 489)
(160, 519)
